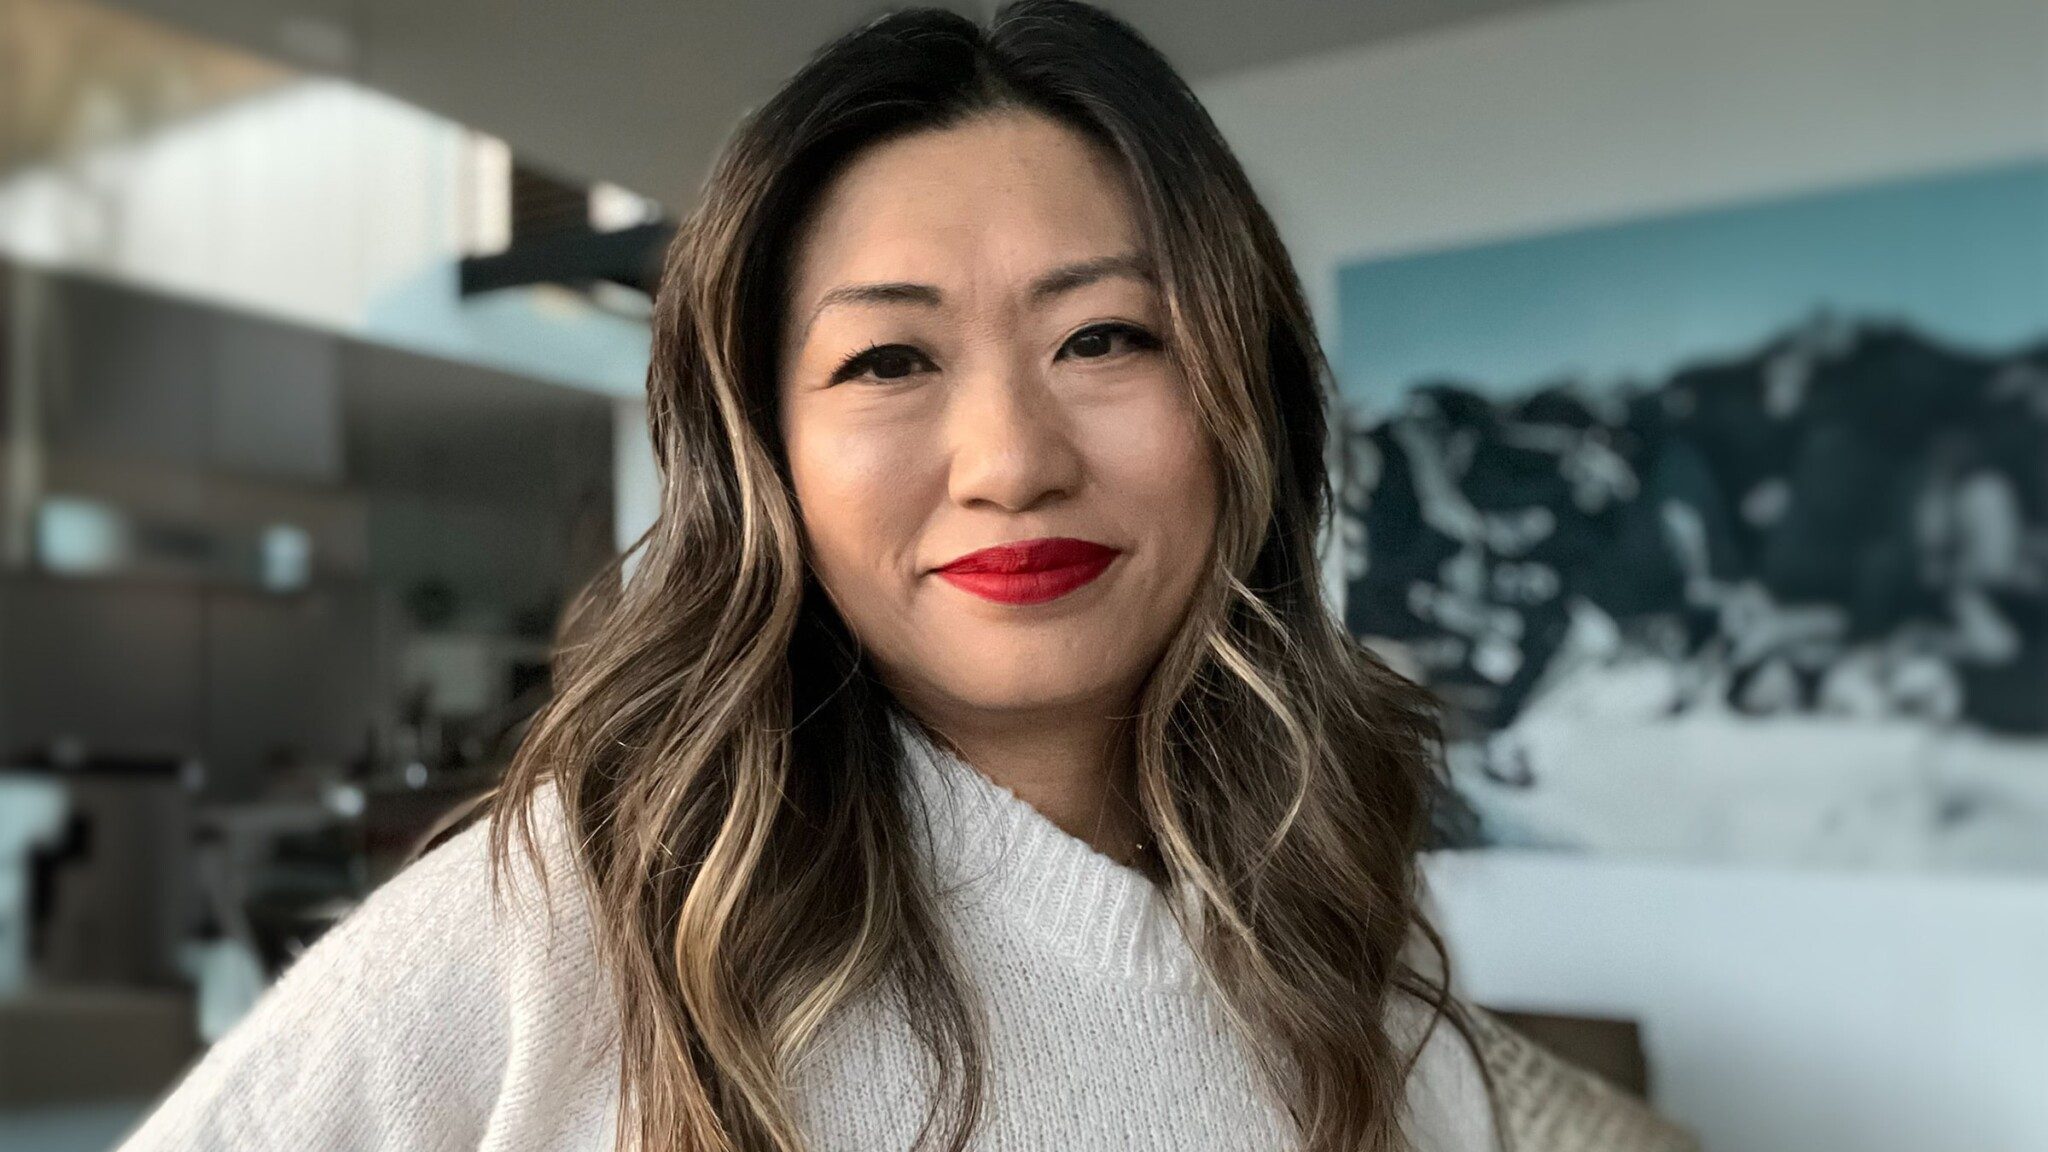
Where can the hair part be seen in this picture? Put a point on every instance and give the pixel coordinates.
(722, 752)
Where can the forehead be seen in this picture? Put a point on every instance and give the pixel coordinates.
(997, 197)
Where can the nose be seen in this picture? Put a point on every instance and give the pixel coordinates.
(1013, 447)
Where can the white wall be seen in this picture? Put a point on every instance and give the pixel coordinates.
(302, 202)
(319, 202)
(636, 476)
(1607, 109)
(1783, 1011)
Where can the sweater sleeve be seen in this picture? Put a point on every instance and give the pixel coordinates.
(1538, 1101)
(389, 1032)
(1551, 1105)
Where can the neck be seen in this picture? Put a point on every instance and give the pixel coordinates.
(1073, 767)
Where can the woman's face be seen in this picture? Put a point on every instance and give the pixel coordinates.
(972, 357)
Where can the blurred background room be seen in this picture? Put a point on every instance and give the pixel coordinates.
(1692, 371)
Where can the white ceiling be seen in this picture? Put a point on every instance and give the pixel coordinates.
(642, 92)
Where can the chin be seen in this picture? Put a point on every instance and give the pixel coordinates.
(1017, 685)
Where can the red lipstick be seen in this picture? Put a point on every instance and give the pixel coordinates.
(1029, 571)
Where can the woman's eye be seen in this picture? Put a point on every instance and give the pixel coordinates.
(882, 362)
(1099, 342)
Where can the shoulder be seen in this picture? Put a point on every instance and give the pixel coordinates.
(1461, 1086)
(1552, 1105)
(397, 1025)
(1449, 1105)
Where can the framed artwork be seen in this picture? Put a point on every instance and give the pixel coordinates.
(1721, 535)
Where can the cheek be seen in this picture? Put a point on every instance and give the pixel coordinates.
(1158, 458)
(856, 510)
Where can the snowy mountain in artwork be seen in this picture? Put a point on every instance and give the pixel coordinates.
(1787, 605)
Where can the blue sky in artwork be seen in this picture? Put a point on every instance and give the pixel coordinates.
(1962, 256)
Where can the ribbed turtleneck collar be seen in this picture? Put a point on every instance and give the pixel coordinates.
(996, 856)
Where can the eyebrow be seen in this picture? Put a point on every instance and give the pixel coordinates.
(1065, 278)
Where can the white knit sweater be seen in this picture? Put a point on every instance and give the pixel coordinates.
(430, 1019)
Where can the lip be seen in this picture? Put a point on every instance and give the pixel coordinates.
(1029, 571)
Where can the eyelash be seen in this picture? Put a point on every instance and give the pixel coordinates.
(858, 363)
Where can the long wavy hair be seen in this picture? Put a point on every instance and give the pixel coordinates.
(720, 747)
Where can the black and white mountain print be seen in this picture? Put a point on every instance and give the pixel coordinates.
(1789, 604)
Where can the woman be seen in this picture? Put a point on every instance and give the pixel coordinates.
(970, 754)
